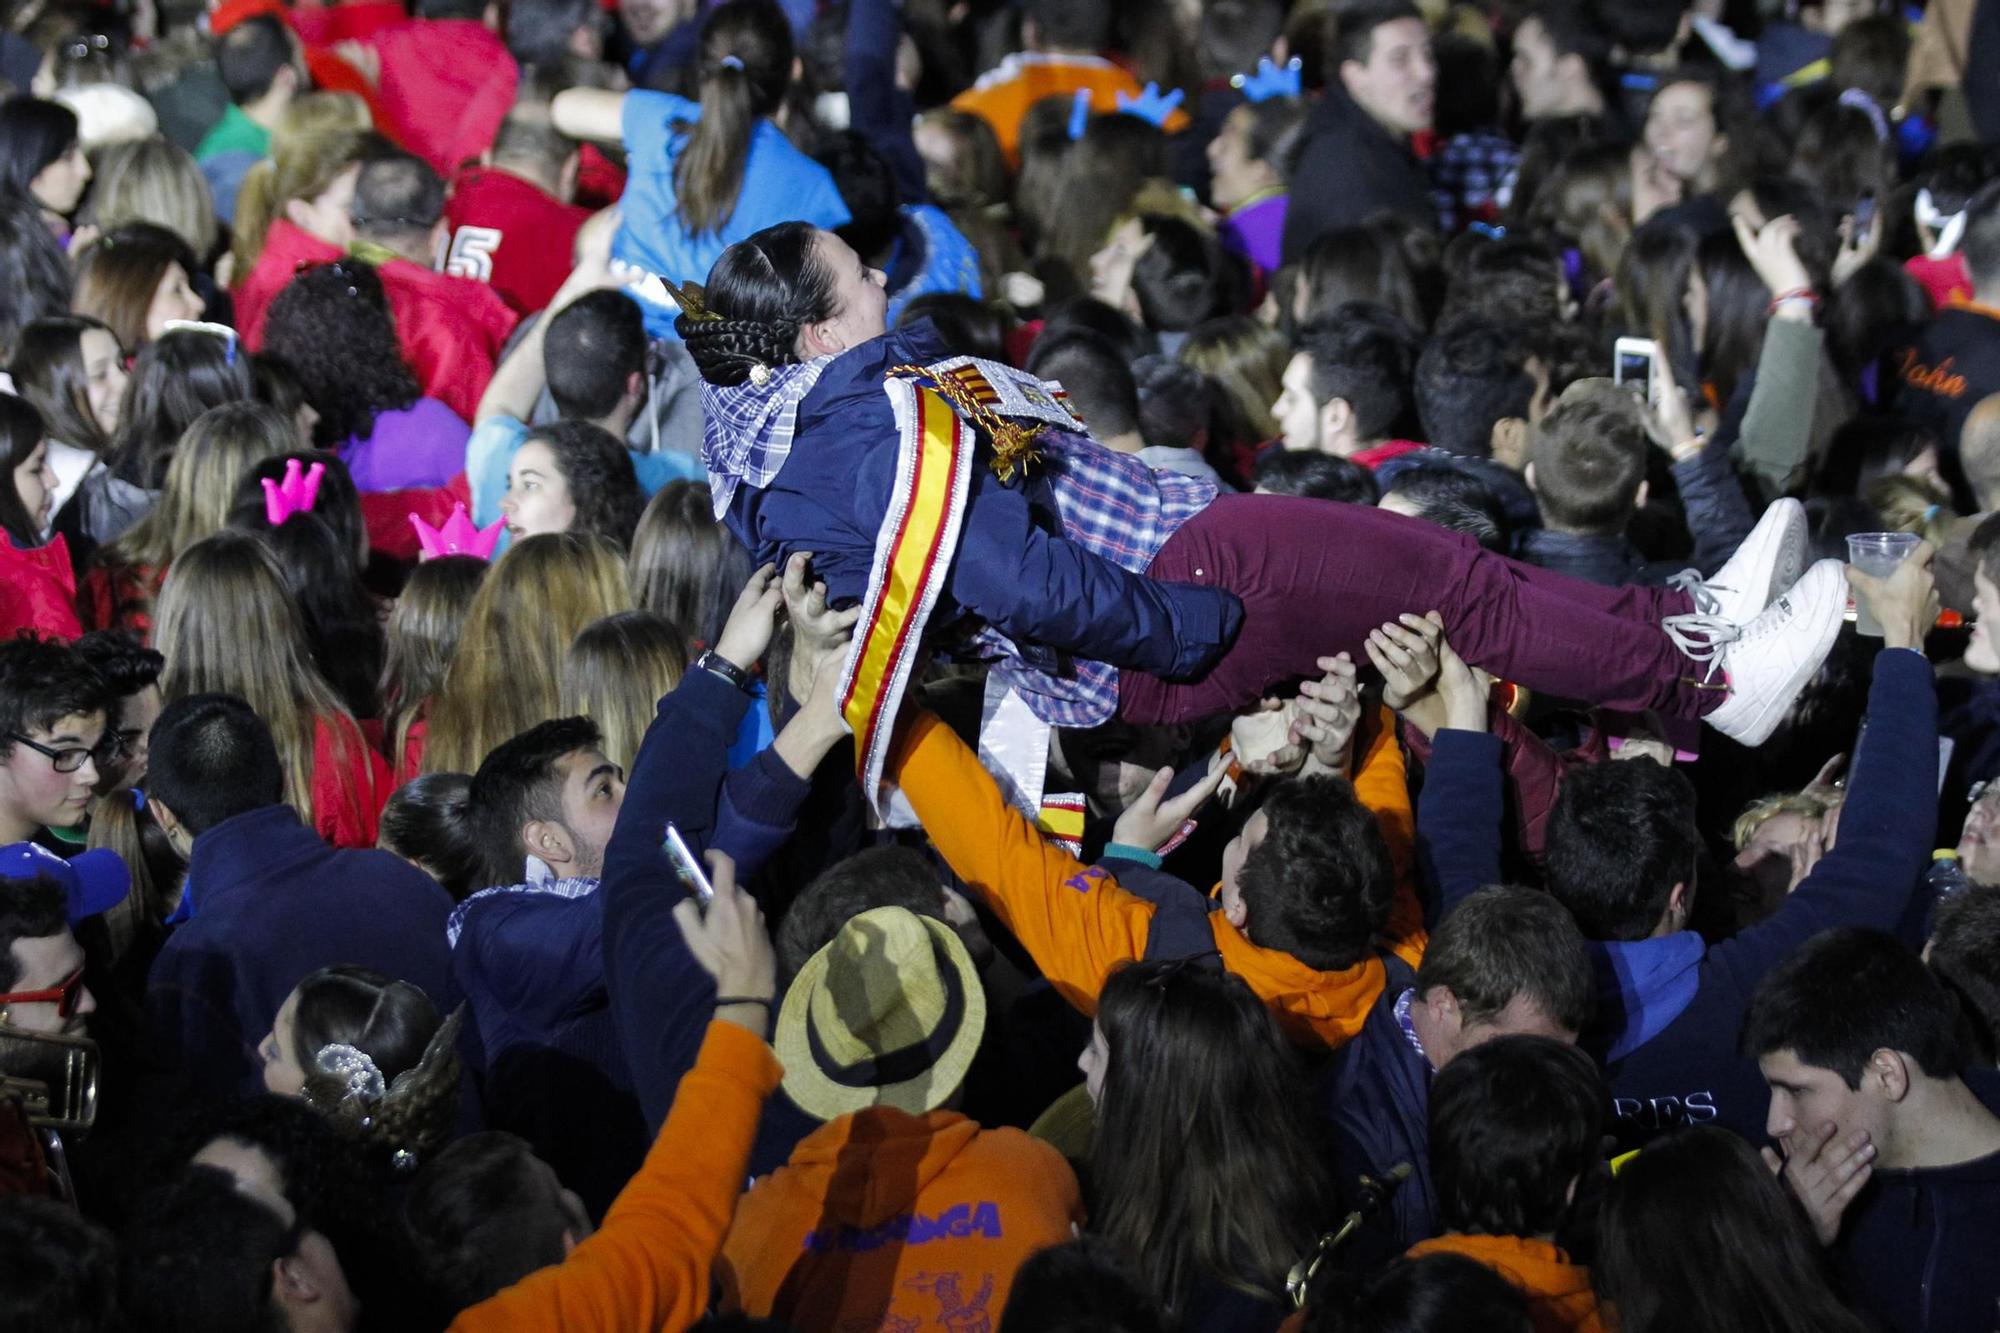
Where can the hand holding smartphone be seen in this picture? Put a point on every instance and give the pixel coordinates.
(1632, 361)
(687, 866)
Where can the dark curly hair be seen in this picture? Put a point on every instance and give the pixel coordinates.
(765, 289)
(598, 471)
(331, 325)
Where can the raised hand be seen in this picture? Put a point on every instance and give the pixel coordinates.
(747, 633)
(1326, 713)
(1149, 821)
(731, 944)
(1773, 251)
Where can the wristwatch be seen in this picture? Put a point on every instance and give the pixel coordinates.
(712, 661)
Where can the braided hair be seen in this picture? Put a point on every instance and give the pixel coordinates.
(763, 290)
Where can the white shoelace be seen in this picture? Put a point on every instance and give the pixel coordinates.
(1701, 637)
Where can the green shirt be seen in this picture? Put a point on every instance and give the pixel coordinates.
(234, 133)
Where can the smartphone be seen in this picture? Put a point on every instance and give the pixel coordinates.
(1864, 216)
(687, 865)
(1632, 364)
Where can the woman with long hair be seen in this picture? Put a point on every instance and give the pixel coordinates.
(616, 673)
(41, 158)
(1204, 1170)
(684, 565)
(706, 174)
(218, 450)
(292, 210)
(332, 326)
(178, 376)
(1695, 1232)
(420, 641)
(155, 180)
(1244, 361)
(323, 574)
(806, 452)
(227, 625)
(572, 476)
(35, 277)
(72, 369)
(507, 673)
(373, 1055)
(138, 279)
(37, 583)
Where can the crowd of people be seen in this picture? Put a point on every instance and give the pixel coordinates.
(1024, 665)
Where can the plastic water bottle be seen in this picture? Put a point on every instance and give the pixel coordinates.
(1945, 878)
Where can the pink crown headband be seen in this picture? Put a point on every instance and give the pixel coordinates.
(295, 494)
(457, 536)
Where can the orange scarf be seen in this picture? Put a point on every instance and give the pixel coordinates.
(1560, 1297)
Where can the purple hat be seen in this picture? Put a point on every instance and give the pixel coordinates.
(96, 881)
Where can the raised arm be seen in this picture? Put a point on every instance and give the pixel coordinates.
(876, 107)
(589, 113)
(647, 1268)
(1074, 920)
(1889, 818)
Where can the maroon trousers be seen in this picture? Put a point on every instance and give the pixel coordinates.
(1316, 576)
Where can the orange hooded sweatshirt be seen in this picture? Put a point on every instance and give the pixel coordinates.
(883, 1219)
(647, 1268)
(1560, 1297)
(1078, 923)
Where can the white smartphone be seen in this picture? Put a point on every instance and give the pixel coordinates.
(1632, 362)
(687, 865)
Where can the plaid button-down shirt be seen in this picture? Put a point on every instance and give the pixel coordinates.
(1114, 506)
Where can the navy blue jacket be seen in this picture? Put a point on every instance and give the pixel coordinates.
(1349, 168)
(1376, 1091)
(661, 998)
(1917, 1248)
(1012, 568)
(1717, 515)
(272, 903)
(1688, 1071)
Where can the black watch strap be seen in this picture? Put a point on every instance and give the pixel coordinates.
(714, 662)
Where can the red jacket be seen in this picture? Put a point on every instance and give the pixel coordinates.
(450, 329)
(37, 590)
(120, 598)
(446, 84)
(513, 234)
(350, 784)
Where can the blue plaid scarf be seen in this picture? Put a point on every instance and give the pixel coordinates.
(746, 431)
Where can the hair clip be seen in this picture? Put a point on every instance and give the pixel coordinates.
(222, 331)
(731, 62)
(760, 374)
(295, 494)
(361, 1078)
(456, 537)
(691, 299)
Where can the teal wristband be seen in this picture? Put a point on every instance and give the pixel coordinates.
(1119, 851)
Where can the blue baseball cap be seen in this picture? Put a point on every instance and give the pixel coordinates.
(96, 881)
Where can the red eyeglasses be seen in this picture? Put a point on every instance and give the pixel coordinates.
(63, 997)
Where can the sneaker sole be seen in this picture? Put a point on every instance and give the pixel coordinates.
(1783, 544)
(1765, 721)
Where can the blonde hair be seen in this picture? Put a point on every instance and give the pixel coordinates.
(301, 167)
(1807, 804)
(153, 180)
(423, 634)
(221, 447)
(615, 673)
(320, 113)
(1245, 361)
(507, 673)
(1911, 504)
(227, 625)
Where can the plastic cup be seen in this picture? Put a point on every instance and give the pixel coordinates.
(1876, 553)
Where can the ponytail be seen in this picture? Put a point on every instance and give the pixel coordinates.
(745, 67)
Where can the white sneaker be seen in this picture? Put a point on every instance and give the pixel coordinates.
(1768, 661)
(1771, 559)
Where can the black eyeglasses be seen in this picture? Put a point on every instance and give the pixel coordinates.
(70, 758)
